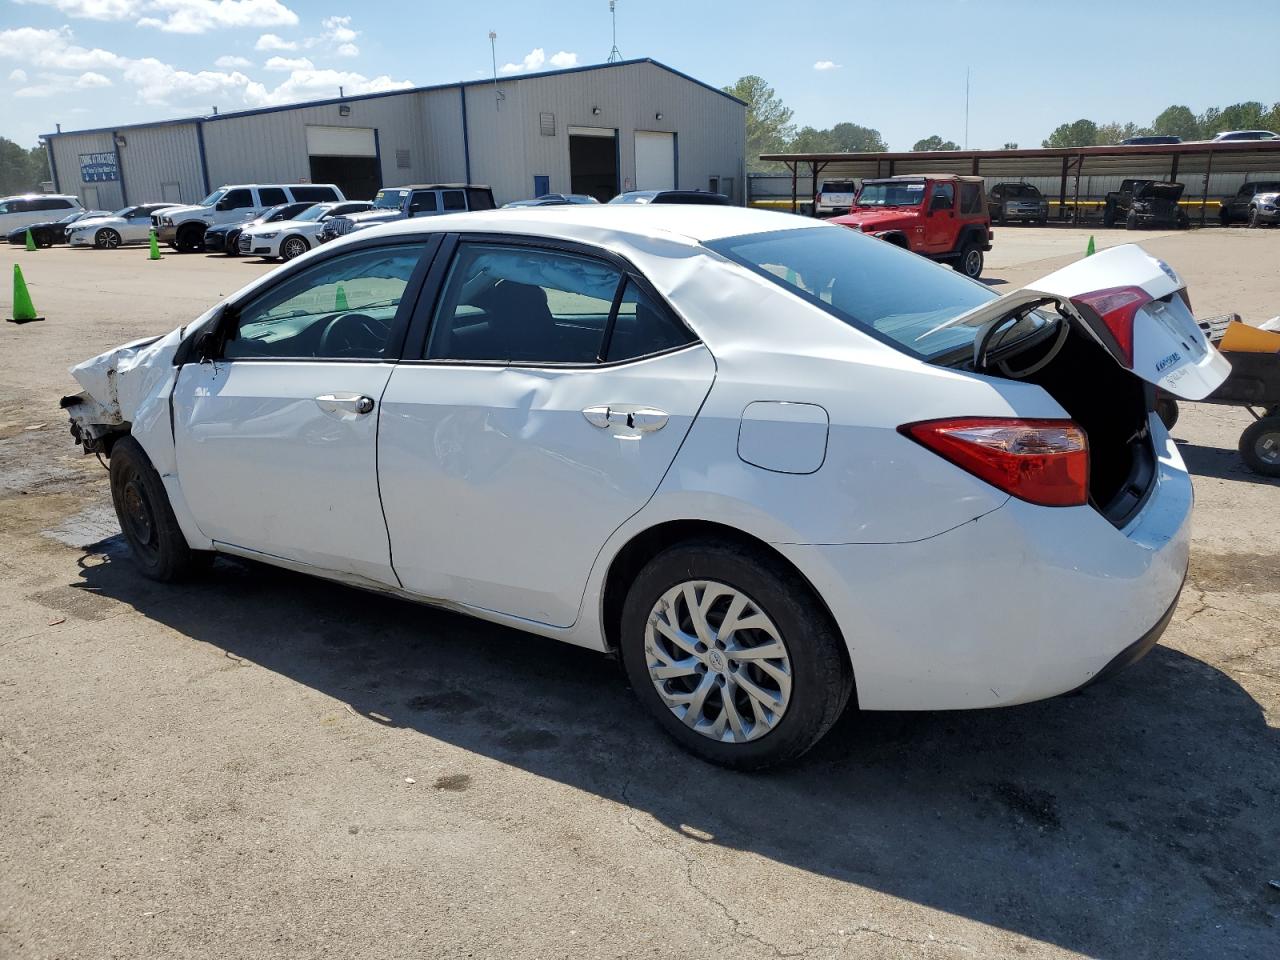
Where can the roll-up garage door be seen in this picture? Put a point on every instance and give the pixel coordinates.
(346, 156)
(655, 160)
(341, 142)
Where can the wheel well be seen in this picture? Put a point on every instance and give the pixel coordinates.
(646, 545)
(972, 232)
(192, 228)
(897, 239)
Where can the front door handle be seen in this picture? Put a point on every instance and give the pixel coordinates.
(628, 417)
(345, 405)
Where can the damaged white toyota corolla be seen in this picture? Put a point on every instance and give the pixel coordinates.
(769, 461)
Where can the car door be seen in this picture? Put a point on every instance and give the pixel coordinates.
(275, 432)
(137, 224)
(423, 203)
(939, 221)
(546, 403)
(236, 206)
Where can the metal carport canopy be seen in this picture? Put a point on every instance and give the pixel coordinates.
(1166, 160)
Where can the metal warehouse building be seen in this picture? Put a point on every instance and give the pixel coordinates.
(634, 124)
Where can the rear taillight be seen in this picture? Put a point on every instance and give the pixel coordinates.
(1040, 461)
(1116, 308)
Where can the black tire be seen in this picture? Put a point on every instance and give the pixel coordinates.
(1260, 446)
(1109, 216)
(190, 239)
(231, 243)
(970, 260)
(146, 518)
(821, 680)
(1167, 410)
(293, 247)
(1131, 221)
(1253, 218)
(1183, 222)
(43, 239)
(106, 239)
(1224, 217)
(1001, 218)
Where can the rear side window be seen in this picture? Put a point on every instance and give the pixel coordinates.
(896, 296)
(971, 198)
(313, 193)
(642, 327)
(479, 199)
(272, 196)
(454, 200)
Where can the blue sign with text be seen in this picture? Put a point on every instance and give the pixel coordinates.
(98, 168)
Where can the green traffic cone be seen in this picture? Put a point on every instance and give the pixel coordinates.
(31, 242)
(155, 247)
(1089, 251)
(340, 301)
(23, 311)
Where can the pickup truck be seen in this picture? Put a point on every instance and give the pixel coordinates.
(416, 200)
(944, 218)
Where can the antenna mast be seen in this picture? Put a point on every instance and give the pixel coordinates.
(614, 55)
(498, 95)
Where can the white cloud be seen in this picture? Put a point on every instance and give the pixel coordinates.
(315, 84)
(348, 50)
(826, 65)
(201, 16)
(534, 59)
(52, 84)
(232, 63)
(37, 47)
(159, 83)
(269, 41)
(338, 29)
(18, 76)
(89, 80)
(564, 59)
(288, 64)
(93, 9)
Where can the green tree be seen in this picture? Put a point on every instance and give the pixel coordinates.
(769, 127)
(1250, 115)
(1116, 132)
(1082, 133)
(842, 138)
(21, 170)
(935, 142)
(1177, 121)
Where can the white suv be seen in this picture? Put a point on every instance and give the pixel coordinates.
(29, 208)
(183, 227)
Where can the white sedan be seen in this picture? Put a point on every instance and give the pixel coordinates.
(126, 225)
(286, 239)
(771, 462)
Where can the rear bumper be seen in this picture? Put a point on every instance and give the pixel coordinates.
(1021, 604)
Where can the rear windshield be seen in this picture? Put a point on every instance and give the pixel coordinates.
(894, 295)
(838, 186)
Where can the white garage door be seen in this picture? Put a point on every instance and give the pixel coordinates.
(655, 160)
(341, 142)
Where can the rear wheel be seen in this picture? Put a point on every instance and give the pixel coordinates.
(43, 239)
(293, 247)
(732, 654)
(106, 239)
(231, 245)
(970, 260)
(146, 518)
(1131, 221)
(1109, 216)
(1260, 446)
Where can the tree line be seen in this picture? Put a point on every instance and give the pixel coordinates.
(1174, 121)
(21, 170)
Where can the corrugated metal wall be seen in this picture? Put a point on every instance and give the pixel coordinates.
(443, 151)
(162, 163)
(67, 149)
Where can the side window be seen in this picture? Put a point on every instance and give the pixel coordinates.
(642, 328)
(423, 201)
(523, 305)
(314, 194)
(19, 206)
(239, 199)
(479, 199)
(340, 309)
(944, 197)
(971, 198)
(454, 200)
(272, 196)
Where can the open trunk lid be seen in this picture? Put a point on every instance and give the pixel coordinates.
(1133, 305)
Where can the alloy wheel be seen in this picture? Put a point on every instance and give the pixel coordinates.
(718, 661)
(108, 239)
(294, 247)
(973, 263)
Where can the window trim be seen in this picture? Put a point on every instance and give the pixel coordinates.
(431, 295)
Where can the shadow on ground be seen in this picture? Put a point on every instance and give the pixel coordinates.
(1136, 819)
(1220, 462)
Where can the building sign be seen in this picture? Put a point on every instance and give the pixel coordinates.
(98, 168)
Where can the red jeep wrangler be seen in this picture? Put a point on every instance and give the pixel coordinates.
(941, 217)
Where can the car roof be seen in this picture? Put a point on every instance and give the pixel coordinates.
(691, 223)
(40, 196)
(438, 186)
(924, 176)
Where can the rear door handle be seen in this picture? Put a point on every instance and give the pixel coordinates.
(630, 417)
(345, 406)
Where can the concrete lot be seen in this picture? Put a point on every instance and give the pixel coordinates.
(261, 765)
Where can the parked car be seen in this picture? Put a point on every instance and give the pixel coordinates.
(1264, 210)
(127, 225)
(944, 218)
(1150, 139)
(1236, 209)
(1154, 204)
(1230, 135)
(29, 208)
(405, 203)
(223, 237)
(47, 233)
(553, 200)
(672, 196)
(183, 227)
(1017, 201)
(835, 197)
(765, 459)
(292, 238)
(1116, 203)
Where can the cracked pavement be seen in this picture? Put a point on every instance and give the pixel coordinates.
(258, 764)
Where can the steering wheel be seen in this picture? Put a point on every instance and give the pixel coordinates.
(353, 335)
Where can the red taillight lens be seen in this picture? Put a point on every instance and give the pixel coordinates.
(1040, 461)
(1116, 308)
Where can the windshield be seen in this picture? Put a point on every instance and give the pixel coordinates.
(634, 197)
(212, 198)
(316, 212)
(896, 296)
(896, 194)
(1021, 190)
(122, 212)
(72, 217)
(389, 199)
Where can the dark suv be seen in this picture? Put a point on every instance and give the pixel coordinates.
(416, 200)
(672, 196)
(1236, 209)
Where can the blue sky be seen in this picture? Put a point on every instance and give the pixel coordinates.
(88, 63)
